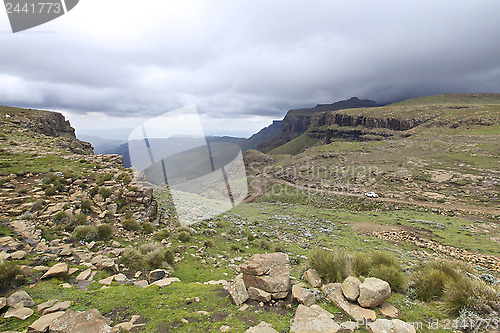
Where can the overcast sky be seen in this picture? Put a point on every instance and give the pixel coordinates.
(112, 63)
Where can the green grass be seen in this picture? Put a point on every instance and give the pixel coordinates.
(295, 146)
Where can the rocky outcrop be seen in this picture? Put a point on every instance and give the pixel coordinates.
(269, 272)
(342, 119)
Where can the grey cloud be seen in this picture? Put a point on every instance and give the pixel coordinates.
(239, 59)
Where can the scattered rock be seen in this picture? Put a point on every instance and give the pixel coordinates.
(84, 275)
(263, 327)
(303, 296)
(313, 278)
(313, 319)
(388, 310)
(3, 302)
(225, 328)
(156, 275)
(354, 311)
(116, 244)
(20, 297)
(80, 322)
(237, 290)
(58, 270)
(165, 282)
(372, 292)
(141, 283)
(107, 280)
(45, 305)
(42, 324)
(129, 325)
(59, 306)
(350, 288)
(390, 326)
(243, 308)
(18, 255)
(72, 271)
(19, 312)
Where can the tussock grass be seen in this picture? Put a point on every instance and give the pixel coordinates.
(149, 255)
(131, 224)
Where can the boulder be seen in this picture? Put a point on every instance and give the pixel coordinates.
(59, 306)
(45, 305)
(237, 290)
(313, 278)
(103, 262)
(354, 311)
(58, 270)
(372, 292)
(313, 319)
(19, 312)
(20, 254)
(42, 324)
(280, 295)
(390, 326)
(165, 282)
(350, 288)
(258, 294)
(20, 297)
(263, 327)
(303, 296)
(80, 322)
(269, 272)
(84, 275)
(156, 275)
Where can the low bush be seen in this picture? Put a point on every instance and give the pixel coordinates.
(160, 235)
(104, 231)
(429, 279)
(10, 275)
(94, 190)
(86, 204)
(60, 217)
(208, 243)
(85, 233)
(75, 221)
(105, 192)
(147, 227)
(265, 244)
(131, 224)
(149, 256)
(336, 266)
(184, 236)
(391, 274)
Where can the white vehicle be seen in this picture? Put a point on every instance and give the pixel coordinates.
(371, 195)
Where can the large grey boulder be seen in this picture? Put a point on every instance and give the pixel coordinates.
(373, 292)
(269, 272)
(350, 288)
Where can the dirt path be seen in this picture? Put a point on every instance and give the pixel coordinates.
(260, 188)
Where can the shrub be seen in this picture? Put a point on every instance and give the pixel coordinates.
(60, 216)
(169, 257)
(86, 204)
(429, 279)
(391, 274)
(131, 224)
(160, 235)
(357, 265)
(10, 274)
(77, 220)
(104, 231)
(250, 236)
(94, 190)
(103, 177)
(184, 236)
(154, 259)
(149, 247)
(208, 243)
(330, 265)
(22, 191)
(132, 258)
(279, 248)
(382, 258)
(265, 244)
(147, 227)
(86, 233)
(105, 192)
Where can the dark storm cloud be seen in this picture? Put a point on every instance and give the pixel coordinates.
(237, 59)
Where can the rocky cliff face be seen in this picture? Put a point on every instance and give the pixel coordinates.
(337, 118)
(51, 124)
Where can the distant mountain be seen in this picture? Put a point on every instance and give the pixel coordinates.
(297, 121)
(101, 145)
(245, 144)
